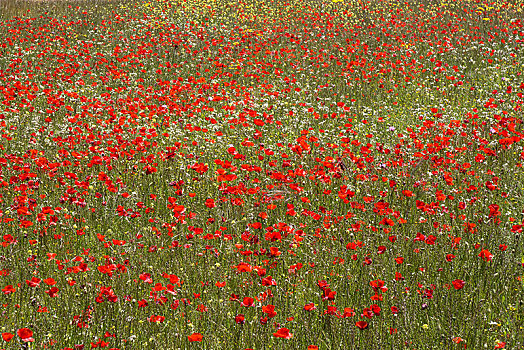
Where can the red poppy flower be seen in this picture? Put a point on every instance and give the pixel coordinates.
(485, 255)
(309, 307)
(367, 312)
(420, 237)
(376, 309)
(398, 276)
(210, 203)
(283, 333)
(431, 240)
(25, 334)
(387, 221)
(34, 282)
(50, 281)
(247, 302)
(458, 284)
(8, 289)
(494, 210)
(156, 319)
(146, 277)
(378, 284)
(200, 168)
(269, 310)
(322, 284)
(240, 319)
(243, 267)
(52, 292)
(268, 281)
(348, 312)
(407, 193)
(332, 310)
(195, 337)
(361, 325)
(7, 336)
(457, 340)
(329, 294)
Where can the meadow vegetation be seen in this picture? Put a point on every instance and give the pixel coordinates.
(261, 174)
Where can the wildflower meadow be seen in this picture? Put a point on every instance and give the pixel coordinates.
(183, 174)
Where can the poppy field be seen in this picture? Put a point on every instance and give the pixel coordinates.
(261, 174)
